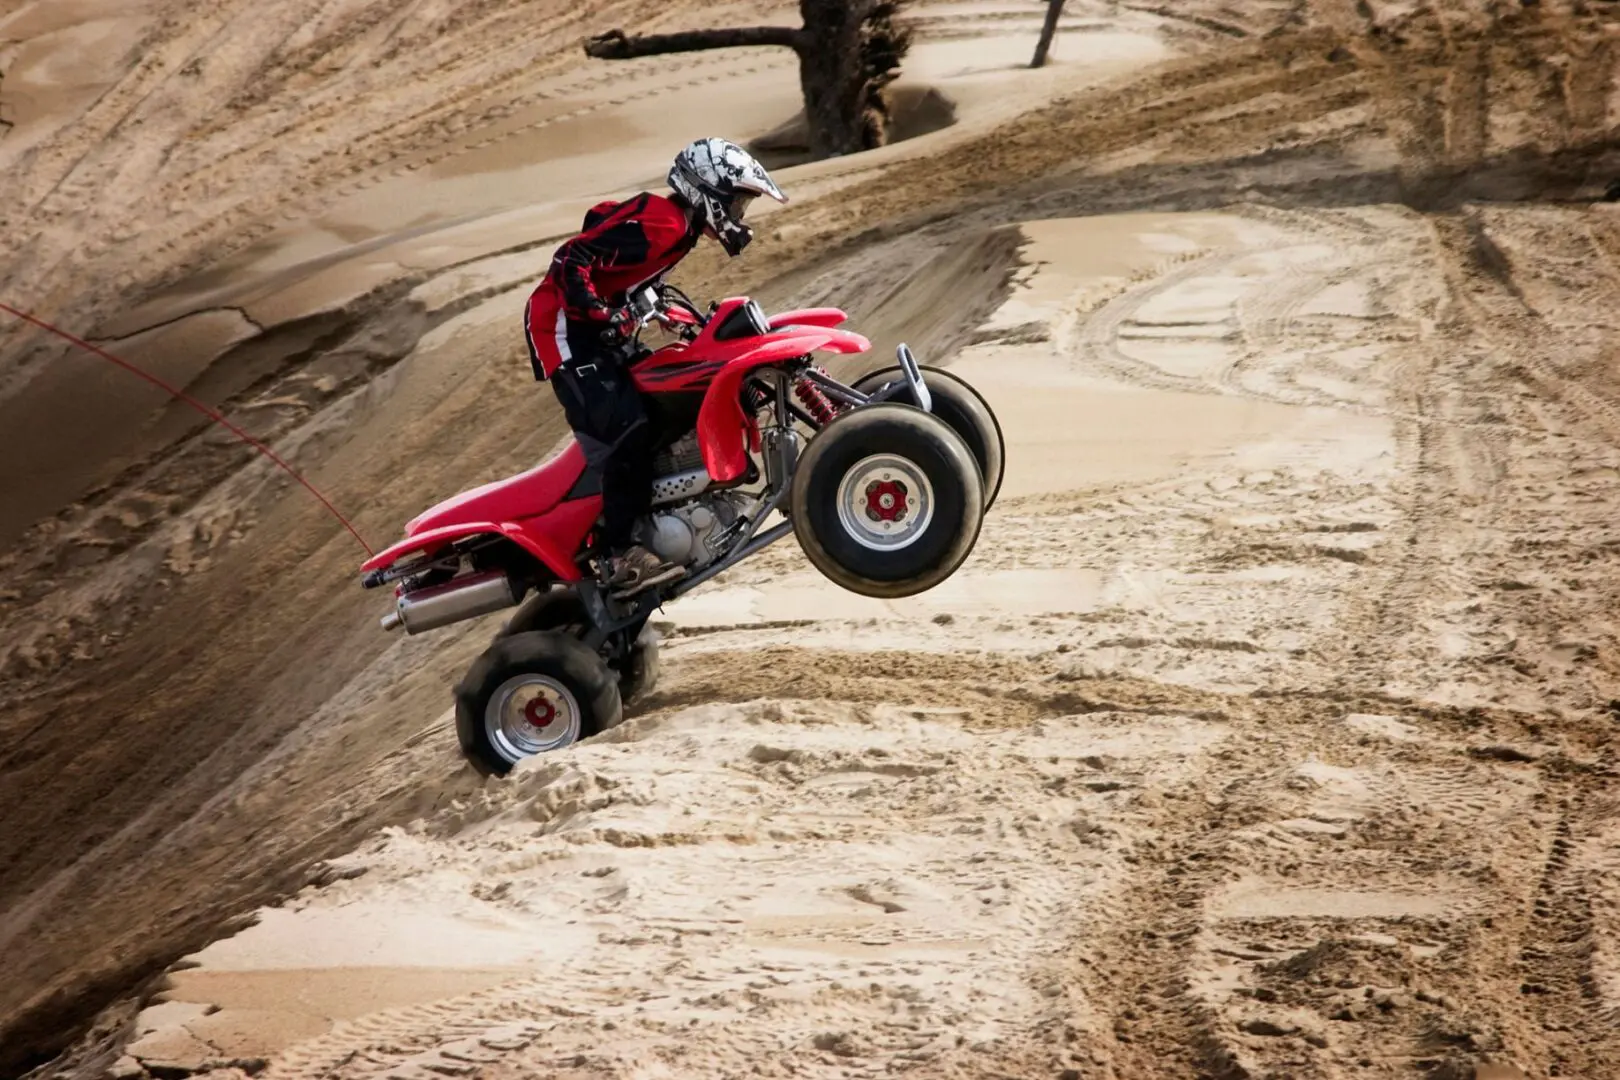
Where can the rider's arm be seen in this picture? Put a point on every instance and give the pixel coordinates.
(624, 244)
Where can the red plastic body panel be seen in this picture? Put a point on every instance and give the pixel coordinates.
(682, 316)
(722, 424)
(429, 541)
(689, 367)
(821, 316)
(674, 369)
(529, 509)
(557, 536)
(524, 495)
(545, 537)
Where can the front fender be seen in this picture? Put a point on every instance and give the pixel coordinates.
(821, 316)
(722, 424)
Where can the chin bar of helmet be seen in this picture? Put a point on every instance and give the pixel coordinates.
(734, 237)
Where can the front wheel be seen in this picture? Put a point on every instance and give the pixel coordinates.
(531, 693)
(887, 501)
(957, 403)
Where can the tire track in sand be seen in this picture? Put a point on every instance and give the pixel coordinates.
(1564, 959)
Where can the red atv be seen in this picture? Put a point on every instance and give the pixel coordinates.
(884, 482)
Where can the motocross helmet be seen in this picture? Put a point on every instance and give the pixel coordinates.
(719, 179)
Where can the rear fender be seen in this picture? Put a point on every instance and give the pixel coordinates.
(556, 537)
(723, 429)
(429, 543)
(553, 538)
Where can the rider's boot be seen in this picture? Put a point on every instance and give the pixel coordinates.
(638, 569)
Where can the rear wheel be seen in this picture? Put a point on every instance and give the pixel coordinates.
(957, 403)
(553, 609)
(562, 610)
(638, 676)
(531, 693)
(887, 501)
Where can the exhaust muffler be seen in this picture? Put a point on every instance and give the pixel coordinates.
(441, 605)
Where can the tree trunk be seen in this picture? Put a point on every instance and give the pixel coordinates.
(849, 51)
(614, 45)
(1054, 9)
(831, 75)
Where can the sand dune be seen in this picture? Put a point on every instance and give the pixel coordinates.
(1269, 731)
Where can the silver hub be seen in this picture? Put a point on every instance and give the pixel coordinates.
(531, 714)
(885, 502)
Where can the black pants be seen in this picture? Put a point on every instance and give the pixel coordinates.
(610, 421)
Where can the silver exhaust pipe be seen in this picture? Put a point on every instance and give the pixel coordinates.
(441, 605)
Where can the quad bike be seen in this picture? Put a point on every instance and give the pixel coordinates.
(884, 482)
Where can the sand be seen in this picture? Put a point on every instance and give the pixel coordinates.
(1268, 731)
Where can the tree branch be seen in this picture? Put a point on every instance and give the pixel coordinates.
(614, 45)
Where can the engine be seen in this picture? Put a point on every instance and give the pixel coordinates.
(681, 456)
(695, 533)
(691, 526)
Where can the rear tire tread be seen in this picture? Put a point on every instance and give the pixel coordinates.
(562, 611)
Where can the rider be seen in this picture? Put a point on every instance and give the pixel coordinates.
(579, 329)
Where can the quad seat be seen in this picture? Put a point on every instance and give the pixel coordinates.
(525, 495)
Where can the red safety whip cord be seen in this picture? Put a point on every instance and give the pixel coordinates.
(180, 395)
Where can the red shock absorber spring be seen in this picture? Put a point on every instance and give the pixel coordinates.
(816, 403)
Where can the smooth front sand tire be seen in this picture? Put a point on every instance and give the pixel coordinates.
(887, 501)
(957, 403)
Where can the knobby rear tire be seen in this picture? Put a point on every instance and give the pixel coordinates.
(562, 610)
(549, 658)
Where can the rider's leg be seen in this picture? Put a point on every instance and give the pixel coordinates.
(610, 421)
(626, 484)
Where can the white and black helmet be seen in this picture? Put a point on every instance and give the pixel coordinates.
(720, 179)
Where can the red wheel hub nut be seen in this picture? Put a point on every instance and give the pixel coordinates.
(540, 712)
(886, 500)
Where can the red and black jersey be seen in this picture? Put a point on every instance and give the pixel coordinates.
(624, 245)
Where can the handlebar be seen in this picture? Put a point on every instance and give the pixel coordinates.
(664, 298)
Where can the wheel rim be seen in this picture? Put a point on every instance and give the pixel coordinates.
(885, 502)
(531, 714)
(994, 438)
